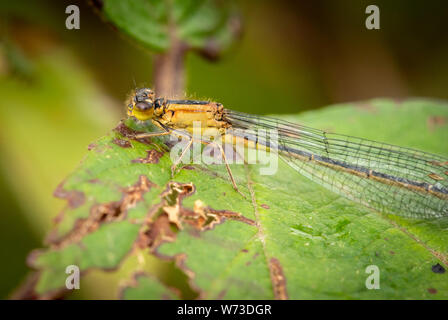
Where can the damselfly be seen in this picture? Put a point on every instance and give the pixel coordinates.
(384, 177)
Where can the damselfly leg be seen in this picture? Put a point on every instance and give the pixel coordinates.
(188, 146)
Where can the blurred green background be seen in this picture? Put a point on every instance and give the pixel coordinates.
(61, 89)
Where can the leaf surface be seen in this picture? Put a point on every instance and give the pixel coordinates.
(290, 238)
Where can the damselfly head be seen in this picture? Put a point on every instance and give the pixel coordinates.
(141, 105)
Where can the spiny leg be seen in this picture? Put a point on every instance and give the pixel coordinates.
(229, 171)
(151, 134)
(239, 155)
(223, 154)
(178, 160)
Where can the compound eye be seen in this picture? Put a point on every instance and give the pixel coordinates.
(143, 94)
(143, 106)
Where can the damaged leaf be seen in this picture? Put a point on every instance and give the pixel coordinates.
(288, 239)
(209, 26)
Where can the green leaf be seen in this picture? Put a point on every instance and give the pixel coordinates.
(156, 23)
(290, 238)
(147, 287)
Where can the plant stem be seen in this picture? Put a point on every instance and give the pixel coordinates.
(169, 71)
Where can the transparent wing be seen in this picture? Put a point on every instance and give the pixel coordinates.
(388, 178)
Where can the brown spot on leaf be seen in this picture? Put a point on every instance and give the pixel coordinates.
(104, 212)
(74, 198)
(205, 218)
(152, 156)
(434, 122)
(265, 206)
(91, 146)
(124, 130)
(130, 133)
(278, 279)
(157, 228)
(439, 163)
(432, 290)
(122, 143)
(392, 252)
(435, 177)
(156, 233)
